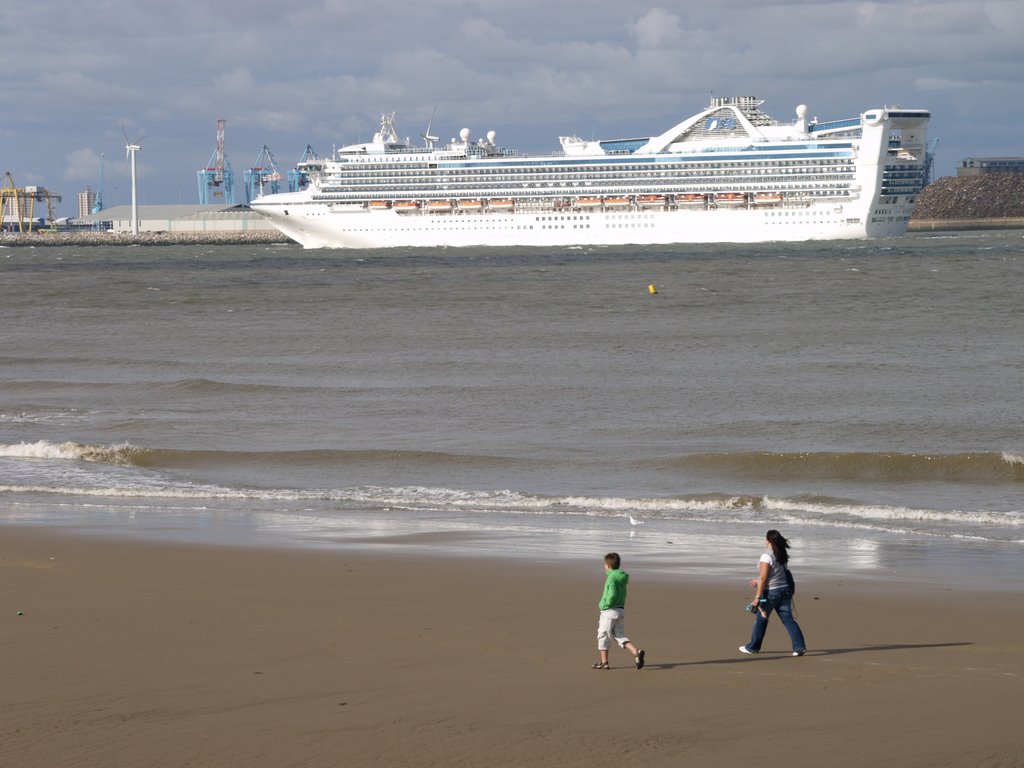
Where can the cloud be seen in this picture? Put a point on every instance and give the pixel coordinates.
(657, 28)
(79, 88)
(82, 165)
(237, 80)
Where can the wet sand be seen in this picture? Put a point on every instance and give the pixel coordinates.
(140, 654)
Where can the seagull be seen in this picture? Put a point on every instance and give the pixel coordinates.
(633, 521)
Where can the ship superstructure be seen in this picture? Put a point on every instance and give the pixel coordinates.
(727, 174)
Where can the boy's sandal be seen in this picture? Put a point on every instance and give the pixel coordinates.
(599, 665)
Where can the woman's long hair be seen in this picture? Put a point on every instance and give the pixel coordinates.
(780, 545)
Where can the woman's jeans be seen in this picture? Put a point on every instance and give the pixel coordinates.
(781, 601)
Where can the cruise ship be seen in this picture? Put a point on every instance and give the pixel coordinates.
(728, 174)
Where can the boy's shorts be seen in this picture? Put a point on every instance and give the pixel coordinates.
(611, 626)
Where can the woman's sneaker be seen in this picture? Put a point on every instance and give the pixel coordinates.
(744, 649)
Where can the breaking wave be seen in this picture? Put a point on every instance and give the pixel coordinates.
(702, 508)
(982, 467)
(128, 483)
(126, 454)
(113, 454)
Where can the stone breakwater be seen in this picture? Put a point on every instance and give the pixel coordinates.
(54, 239)
(988, 196)
(988, 201)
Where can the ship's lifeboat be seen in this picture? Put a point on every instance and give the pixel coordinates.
(406, 206)
(379, 205)
(690, 198)
(617, 202)
(470, 205)
(767, 198)
(589, 202)
(439, 206)
(730, 198)
(501, 204)
(650, 201)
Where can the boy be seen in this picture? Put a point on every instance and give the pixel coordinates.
(612, 622)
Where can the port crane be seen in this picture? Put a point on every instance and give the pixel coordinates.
(263, 176)
(217, 181)
(97, 204)
(929, 162)
(299, 176)
(17, 205)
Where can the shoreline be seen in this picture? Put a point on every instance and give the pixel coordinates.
(90, 239)
(952, 225)
(141, 653)
(45, 239)
(699, 552)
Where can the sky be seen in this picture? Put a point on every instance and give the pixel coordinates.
(79, 76)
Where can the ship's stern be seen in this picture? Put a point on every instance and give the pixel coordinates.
(892, 167)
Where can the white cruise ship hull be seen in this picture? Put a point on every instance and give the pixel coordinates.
(317, 226)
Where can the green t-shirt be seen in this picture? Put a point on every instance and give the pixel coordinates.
(614, 590)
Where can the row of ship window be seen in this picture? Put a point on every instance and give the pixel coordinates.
(491, 184)
(608, 186)
(574, 172)
(618, 168)
(559, 181)
(820, 190)
(835, 180)
(491, 176)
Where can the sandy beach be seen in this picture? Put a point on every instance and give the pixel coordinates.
(122, 653)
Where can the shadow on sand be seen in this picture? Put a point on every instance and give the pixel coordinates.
(770, 656)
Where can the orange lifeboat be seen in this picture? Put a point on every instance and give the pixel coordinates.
(617, 202)
(730, 198)
(379, 205)
(650, 201)
(589, 202)
(501, 204)
(439, 206)
(470, 205)
(406, 206)
(690, 198)
(767, 198)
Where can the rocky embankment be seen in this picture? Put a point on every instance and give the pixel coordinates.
(988, 200)
(44, 239)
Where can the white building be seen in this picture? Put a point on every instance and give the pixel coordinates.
(179, 218)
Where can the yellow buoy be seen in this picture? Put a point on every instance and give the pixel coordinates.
(652, 289)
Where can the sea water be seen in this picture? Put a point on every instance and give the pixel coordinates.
(863, 398)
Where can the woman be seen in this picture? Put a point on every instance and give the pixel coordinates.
(771, 584)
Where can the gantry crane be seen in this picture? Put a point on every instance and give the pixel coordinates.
(17, 206)
(299, 176)
(262, 177)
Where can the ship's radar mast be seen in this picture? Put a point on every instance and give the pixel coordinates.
(387, 129)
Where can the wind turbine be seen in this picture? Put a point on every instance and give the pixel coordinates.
(131, 147)
(426, 134)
